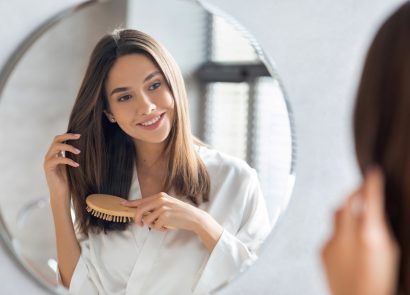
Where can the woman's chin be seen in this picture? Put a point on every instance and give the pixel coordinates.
(156, 140)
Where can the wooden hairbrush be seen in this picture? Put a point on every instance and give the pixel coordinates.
(108, 207)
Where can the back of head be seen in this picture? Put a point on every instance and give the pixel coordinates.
(382, 124)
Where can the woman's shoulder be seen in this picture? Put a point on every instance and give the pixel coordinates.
(219, 163)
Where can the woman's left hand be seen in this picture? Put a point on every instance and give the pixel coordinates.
(162, 212)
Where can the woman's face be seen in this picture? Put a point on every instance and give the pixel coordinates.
(139, 98)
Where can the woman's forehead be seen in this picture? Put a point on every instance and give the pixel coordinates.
(130, 68)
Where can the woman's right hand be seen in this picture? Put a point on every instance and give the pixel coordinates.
(54, 165)
(362, 255)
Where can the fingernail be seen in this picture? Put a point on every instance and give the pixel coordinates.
(77, 135)
(77, 151)
(76, 164)
(123, 202)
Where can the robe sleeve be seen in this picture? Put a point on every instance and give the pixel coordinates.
(235, 251)
(81, 281)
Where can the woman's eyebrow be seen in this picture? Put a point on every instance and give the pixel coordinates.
(123, 89)
(119, 89)
(150, 76)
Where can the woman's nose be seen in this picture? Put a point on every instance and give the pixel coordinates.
(144, 105)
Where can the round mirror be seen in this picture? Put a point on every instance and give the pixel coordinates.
(236, 102)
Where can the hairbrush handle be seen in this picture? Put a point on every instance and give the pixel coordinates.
(109, 208)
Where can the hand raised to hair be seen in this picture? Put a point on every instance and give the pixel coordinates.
(361, 257)
(54, 165)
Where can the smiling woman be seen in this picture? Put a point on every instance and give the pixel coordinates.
(129, 135)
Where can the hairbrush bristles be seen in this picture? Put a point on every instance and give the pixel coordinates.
(108, 217)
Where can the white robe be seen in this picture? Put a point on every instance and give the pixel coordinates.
(138, 261)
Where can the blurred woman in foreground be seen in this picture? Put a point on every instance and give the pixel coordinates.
(369, 250)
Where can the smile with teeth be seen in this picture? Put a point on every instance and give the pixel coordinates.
(150, 122)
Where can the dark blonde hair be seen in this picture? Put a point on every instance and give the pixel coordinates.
(382, 125)
(108, 155)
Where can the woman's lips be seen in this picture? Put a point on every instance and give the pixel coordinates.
(152, 123)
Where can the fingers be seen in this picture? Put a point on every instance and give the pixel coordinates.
(66, 136)
(151, 218)
(375, 229)
(147, 204)
(347, 216)
(58, 148)
(150, 209)
(60, 160)
(59, 145)
(133, 203)
(55, 149)
(139, 202)
(159, 219)
(326, 257)
(373, 193)
(337, 256)
(142, 209)
(160, 224)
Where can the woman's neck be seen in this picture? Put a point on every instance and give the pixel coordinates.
(150, 156)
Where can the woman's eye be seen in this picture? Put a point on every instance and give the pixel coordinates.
(124, 97)
(155, 86)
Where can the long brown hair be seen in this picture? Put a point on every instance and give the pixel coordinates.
(382, 125)
(108, 155)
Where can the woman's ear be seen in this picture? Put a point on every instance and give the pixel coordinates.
(109, 116)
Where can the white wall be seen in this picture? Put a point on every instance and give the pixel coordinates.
(319, 48)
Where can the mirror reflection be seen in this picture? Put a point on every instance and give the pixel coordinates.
(183, 116)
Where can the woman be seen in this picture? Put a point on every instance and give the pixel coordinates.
(362, 256)
(200, 215)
